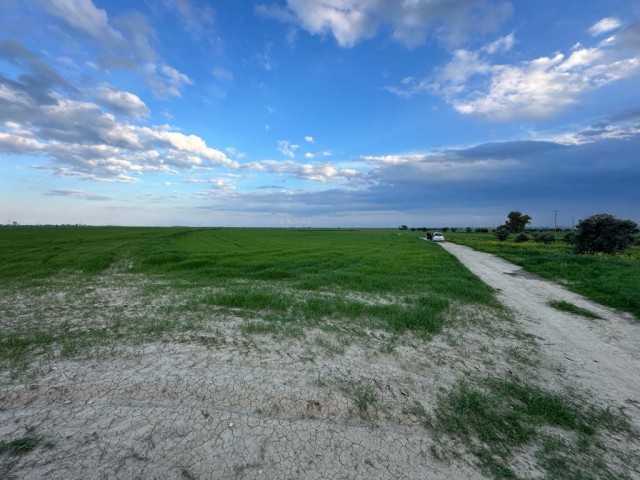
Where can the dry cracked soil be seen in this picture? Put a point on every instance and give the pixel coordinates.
(327, 404)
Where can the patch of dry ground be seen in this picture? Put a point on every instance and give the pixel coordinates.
(211, 402)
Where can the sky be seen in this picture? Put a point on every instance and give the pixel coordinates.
(318, 113)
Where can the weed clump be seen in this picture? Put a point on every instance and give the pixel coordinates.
(506, 415)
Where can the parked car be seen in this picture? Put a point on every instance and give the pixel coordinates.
(437, 237)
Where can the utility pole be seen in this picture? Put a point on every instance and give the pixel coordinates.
(555, 221)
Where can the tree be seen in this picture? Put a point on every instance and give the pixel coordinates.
(516, 221)
(604, 233)
(403, 227)
(502, 233)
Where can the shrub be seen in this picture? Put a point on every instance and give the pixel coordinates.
(482, 230)
(469, 230)
(502, 233)
(546, 238)
(570, 237)
(603, 233)
(521, 237)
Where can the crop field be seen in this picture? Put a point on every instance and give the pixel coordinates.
(612, 280)
(277, 353)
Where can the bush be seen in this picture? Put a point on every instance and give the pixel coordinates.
(570, 237)
(521, 237)
(482, 230)
(469, 230)
(502, 233)
(546, 238)
(604, 233)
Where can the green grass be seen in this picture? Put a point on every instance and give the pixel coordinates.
(571, 308)
(20, 445)
(278, 280)
(363, 395)
(505, 416)
(612, 280)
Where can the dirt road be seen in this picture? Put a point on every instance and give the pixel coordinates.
(601, 355)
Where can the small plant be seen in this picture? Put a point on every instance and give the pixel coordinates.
(363, 394)
(569, 238)
(502, 233)
(571, 308)
(20, 445)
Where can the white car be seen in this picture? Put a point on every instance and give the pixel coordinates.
(437, 237)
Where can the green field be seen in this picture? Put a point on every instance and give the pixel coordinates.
(612, 280)
(277, 280)
(301, 326)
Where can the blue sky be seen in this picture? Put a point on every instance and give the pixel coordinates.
(318, 112)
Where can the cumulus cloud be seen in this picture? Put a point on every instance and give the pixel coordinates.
(308, 139)
(605, 25)
(123, 103)
(122, 43)
(474, 84)
(320, 172)
(81, 138)
(351, 21)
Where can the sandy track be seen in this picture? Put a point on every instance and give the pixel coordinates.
(601, 355)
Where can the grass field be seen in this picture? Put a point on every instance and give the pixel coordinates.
(335, 326)
(276, 280)
(612, 280)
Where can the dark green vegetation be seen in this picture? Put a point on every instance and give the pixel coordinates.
(517, 221)
(20, 445)
(571, 308)
(506, 416)
(612, 280)
(604, 234)
(277, 280)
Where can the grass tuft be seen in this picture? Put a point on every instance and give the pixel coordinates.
(500, 419)
(571, 308)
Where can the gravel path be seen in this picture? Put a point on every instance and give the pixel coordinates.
(601, 355)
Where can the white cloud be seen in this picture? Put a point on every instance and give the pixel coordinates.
(79, 194)
(123, 43)
(392, 159)
(81, 14)
(125, 103)
(85, 141)
(196, 18)
(309, 155)
(287, 148)
(605, 25)
(308, 139)
(320, 172)
(503, 44)
(351, 21)
(473, 84)
(235, 153)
